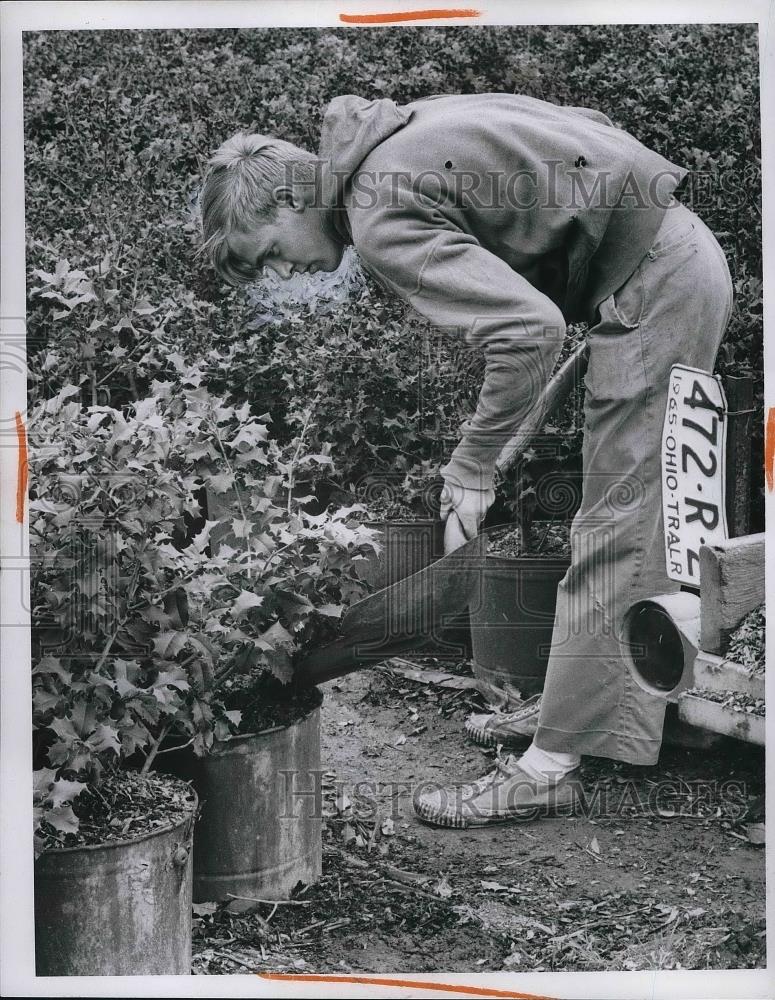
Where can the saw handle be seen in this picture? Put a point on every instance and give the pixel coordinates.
(556, 392)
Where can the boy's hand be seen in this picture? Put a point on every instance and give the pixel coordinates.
(468, 508)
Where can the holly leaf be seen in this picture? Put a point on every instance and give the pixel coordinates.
(52, 665)
(168, 644)
(42, 781)
(134, 737)
(201, 540)
(222, 729)
(243, 604)
(126, 674)
(249, 436)
(62, 819)
(278, 644)
(221, 482)
(64, 791)
(241, 527)
(146, 708)
(104, 738)
(65, 730)
(165, 682)
(43, 701)
(144, 308)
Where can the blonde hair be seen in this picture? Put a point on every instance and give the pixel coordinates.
(239, 190)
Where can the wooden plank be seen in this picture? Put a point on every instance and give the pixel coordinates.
(714, 673)
(712, 716)
(731, 585)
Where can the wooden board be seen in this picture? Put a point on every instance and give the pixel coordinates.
(714, 673)
(712, 716)
(731, 585)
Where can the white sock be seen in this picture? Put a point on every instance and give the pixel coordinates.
(547, 764)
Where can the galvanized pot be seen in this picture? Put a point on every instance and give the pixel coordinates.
(511, 623)
(117, 909)
(260, 830)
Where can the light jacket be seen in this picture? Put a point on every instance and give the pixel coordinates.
(498, 216)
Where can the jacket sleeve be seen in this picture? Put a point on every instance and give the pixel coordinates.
(448, 277)
(592, 114)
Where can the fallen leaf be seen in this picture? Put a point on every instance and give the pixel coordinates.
(400, 741)
(594, 846)
(498, 887)
(443, 888)
(204, 909)
(388, 828)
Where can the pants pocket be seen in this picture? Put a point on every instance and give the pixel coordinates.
(671, 238)
(623, 309)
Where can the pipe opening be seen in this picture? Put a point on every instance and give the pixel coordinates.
(655, 648)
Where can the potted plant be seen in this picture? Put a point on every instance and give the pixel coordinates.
(275, 582)
(144, 639)
(113, 870)
(512, 620)
(259, 778)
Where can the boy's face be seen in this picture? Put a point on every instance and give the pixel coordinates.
(295, 241)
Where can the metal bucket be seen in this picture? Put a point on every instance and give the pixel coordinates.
(408, 547)
(118, 909)
(511, 627)
(260, 830)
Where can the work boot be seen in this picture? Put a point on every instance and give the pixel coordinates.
(491, 728)
(507, 793)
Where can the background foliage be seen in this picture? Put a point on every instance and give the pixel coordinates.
(120, 124)
(149, 378)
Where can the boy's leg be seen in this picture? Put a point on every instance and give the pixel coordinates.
(673, 310)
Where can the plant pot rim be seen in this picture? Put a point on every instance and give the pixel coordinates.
(241, 737)
(51, 852)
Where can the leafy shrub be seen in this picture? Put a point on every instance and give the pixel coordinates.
(137, 626)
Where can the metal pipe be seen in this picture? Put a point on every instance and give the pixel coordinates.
(660, 639)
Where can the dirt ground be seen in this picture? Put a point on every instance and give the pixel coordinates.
(661, 870)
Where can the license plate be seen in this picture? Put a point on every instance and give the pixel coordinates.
(693, 470)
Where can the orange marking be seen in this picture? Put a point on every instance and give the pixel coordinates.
(412, 984)
(769, 449)
(21, 476)
(395, 17)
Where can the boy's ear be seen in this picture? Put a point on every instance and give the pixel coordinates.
(287, 196)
